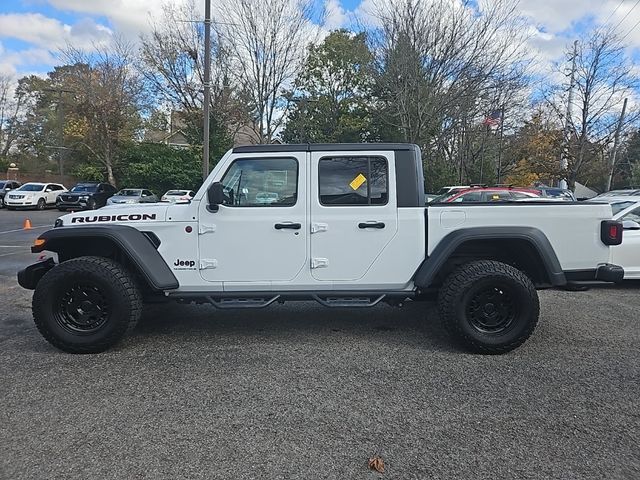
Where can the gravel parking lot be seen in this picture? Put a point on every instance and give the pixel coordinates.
(298, 391)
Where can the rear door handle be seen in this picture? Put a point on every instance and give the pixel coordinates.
(377, 225)
(292, 226)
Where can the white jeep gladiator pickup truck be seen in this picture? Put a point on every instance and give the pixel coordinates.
(342, 224)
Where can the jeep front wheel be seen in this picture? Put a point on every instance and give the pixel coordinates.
(86, 305)
(489, 307)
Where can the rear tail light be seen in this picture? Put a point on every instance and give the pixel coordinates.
(611, 232)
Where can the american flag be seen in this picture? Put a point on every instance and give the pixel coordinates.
(494, 119)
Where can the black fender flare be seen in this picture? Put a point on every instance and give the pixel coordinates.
(138, 248)
(430, 267)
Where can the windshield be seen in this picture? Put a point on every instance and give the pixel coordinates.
(619, 206)
(84, 188)
(558, 193)
(443, 198)
(177, 192)
(31, 188)
(129, 193)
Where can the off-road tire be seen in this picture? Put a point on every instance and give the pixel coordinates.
(42, 203)
(91, 204)
(119, 304)
(468, 312)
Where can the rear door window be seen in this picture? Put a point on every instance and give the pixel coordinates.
(350, 181)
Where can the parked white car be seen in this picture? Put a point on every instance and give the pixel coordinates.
(626, 209)
(178, 196)
(34, 195)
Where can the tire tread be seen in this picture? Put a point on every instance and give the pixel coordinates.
(466, 275)
(120, 278)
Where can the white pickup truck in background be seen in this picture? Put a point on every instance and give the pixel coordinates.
(342, 224)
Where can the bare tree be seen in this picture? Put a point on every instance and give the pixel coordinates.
(446, 64)
(107, 101)
(604, 76)
(11, 106)
(172, 60)
(267, 41)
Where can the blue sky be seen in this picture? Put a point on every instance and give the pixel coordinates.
(31, 31)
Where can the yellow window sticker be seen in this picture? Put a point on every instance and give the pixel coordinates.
(357, 182)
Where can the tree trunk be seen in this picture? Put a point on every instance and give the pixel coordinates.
(112, 179)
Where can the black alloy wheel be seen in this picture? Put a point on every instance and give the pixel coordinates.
(489, 306)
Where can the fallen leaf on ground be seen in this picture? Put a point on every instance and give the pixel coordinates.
(376, 463)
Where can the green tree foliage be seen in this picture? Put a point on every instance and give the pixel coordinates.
(85, 172)
(160, 167)
(219, 138)
(333, 99)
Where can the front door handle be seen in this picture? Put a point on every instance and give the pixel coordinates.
(292, 226)
(377, 225)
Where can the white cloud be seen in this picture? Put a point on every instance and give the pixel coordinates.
(129, 18)
(335, 16)
(50, 33)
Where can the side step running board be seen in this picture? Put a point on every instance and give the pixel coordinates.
(243, 302)
(348, 302)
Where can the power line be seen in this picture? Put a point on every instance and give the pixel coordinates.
(613, 13)
(630, 30)
(625, 17)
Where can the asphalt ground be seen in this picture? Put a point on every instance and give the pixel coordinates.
(298, 391)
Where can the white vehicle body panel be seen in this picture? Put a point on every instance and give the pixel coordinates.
(583, 250)
(237, 248)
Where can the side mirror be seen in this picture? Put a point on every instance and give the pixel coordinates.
(630, 225)
(48, 190)
(215, 195)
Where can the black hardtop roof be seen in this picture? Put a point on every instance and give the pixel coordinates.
(323, 147)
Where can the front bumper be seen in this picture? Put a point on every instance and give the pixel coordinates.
(79, 205)
(20, 203)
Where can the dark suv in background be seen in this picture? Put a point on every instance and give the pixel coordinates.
(7, 186)
(85, 196)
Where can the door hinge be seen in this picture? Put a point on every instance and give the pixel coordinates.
(319, 262)
(207, 263)
(206, 229)
(319, 227)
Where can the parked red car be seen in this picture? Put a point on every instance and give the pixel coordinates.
(488, 194)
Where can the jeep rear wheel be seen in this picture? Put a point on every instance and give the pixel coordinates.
(489, 306)
(86, 305)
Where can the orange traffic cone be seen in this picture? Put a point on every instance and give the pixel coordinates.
(27, 224)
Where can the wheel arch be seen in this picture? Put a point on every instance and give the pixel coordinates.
(525, 248)
(119, 242)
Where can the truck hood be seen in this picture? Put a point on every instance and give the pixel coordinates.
(124, 213)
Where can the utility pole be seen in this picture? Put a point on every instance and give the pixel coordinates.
(564, 153)
(616, 139)
(207, 86)
(500, 144)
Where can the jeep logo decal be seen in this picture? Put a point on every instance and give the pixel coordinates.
(184, 264)
(132, 217)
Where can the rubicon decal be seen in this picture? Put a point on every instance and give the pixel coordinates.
(184, 264)
(130, 217)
